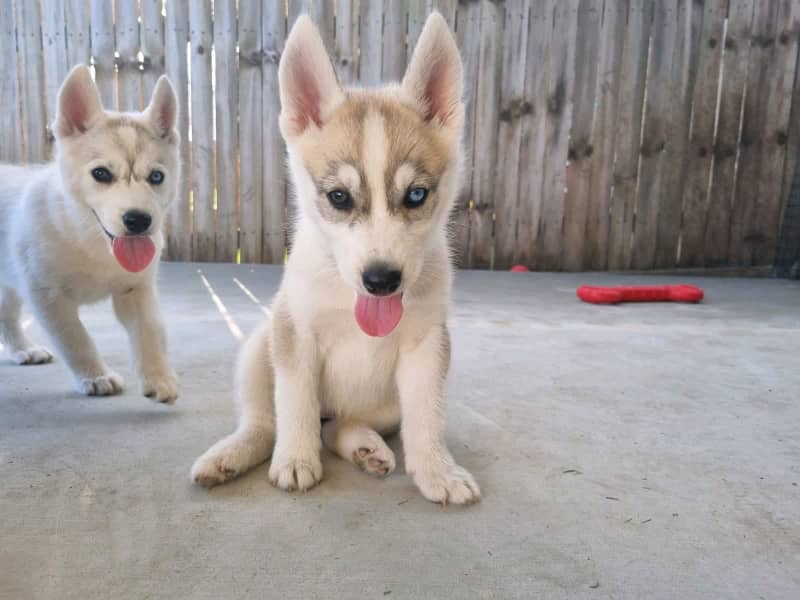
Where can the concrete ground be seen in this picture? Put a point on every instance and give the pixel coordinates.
(638, 451)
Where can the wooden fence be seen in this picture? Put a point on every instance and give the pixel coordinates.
(616, 134)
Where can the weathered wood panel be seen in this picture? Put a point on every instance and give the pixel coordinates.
(604, 134)
(667, 33)
(176, 40)
(512, 89)
(129, 75)
(346, 54)
(273, 167)
(54, 46)
(480, 249)
(79, 40)
(226, 110)
(581, 146)
(690, 19)
(202, 128)
(105, 68)
(31, 75)
(765, 213)
(152, 46)
(251, 56)
(369, 57)
(393, 58)
(468, 30)
(559, 83)
(721, 194)
(10, 122)
(699, 153)
(532, 138)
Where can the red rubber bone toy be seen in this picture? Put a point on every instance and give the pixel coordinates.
(640, 293)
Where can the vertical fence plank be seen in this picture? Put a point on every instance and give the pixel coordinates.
(201, 36)
(698, 154)
(393, 59)
(105, 70)
(604, 133)
(129, 76)
(226, 96)
(54, 46)
(511, 106)
(251, 57)
(31, 74)
(78, 34)
(760, 68)
(764, 218)
(273, 172)
(720, 202)
(749, 238)
(532, 137)
(369, 57)
(467, 36)
(581, 146)
(685, 59)
(176, 39)
(559, 82)
(152, 46)
(480, 249)
(417, 13)
(346, 53)
(629, 123)
(10, 121)
(665, 37)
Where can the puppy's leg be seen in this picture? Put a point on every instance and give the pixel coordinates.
(59, 316)
(296, 463)
(360, 441)
(20, 348)
(252, 442)
(137, 309)
(421, 373)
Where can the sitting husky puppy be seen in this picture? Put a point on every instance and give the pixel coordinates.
(88, 226)
(358, 343)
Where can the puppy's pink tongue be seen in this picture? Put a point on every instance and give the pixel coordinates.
(133, 252)
(378, 316)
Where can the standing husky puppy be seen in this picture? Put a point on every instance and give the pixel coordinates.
(358, 343)
(88, 226)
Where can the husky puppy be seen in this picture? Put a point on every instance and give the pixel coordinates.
(88, 226)
(357, 345)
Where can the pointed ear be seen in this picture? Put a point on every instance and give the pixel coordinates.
(433, 78)
(163, 107)
(79, 104)
(309, 89)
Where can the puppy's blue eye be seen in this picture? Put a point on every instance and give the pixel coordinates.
(340, 200)
(155, 177)
(415, 197)
(102, 175)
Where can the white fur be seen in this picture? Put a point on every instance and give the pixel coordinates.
(310, 360)
(54, 255)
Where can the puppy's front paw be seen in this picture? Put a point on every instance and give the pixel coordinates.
(107, 384)
(447, 483)
(292, 473)
(160, 387)
(35, 355)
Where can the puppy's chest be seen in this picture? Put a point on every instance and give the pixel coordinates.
(357, 371)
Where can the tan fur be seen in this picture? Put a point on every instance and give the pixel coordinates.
(376, 145)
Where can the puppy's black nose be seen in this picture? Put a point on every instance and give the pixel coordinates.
(381, 280)
(136, 221)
